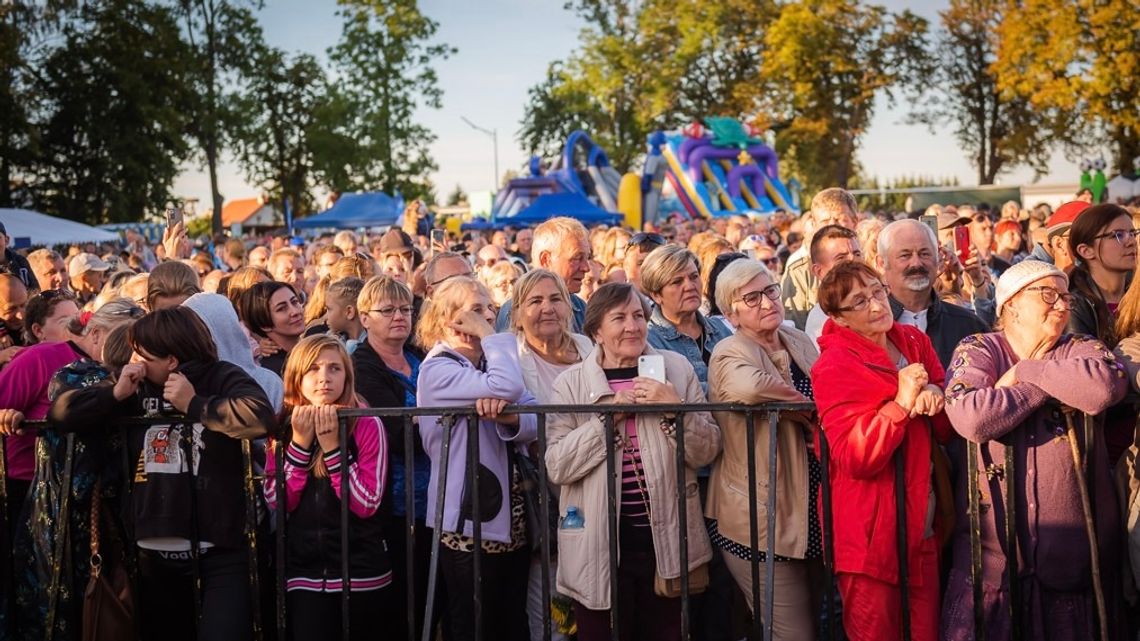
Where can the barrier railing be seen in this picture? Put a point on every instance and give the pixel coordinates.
(450, 417)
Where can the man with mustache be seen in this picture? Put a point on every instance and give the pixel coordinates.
(908, 259)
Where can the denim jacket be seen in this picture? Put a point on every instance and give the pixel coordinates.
(663, 335)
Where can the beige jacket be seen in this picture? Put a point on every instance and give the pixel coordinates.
(741, 371)
(530, 370)
(576, 460)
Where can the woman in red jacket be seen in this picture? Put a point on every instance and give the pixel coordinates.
(878, 387)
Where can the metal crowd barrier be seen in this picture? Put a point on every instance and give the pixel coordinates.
(449, 416)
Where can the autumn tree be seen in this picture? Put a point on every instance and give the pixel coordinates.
(827, 61)
(1078, 62)
(998, 129)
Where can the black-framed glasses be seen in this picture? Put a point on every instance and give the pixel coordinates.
(1121, 235)
(646, 241)
(52, 294)
(773, 261)
(752, 299)
(880, 293)
(391, 310)
(1050, 295)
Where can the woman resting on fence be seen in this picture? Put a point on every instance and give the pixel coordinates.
(318, 467)
(649, 564)
(878, 388)
(1008, 388)
(468, 364)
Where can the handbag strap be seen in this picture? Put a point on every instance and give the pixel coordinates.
(96, 499)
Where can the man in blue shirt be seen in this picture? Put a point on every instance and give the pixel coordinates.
(562, 246)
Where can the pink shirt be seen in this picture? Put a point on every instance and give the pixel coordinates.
(24, 387)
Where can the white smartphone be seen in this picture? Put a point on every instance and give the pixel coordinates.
(652, 366)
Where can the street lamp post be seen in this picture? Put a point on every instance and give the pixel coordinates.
(494, 134)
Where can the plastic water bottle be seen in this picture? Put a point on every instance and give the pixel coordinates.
(573, 519)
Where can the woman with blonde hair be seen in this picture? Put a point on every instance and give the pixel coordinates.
(613, 246)
(319, 379)
(500, 280)
(468, 364)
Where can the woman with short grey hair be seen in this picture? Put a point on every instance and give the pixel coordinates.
(766, 361)
(671, 277)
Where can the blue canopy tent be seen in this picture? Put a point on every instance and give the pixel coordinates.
(564, 204)
(353, 210)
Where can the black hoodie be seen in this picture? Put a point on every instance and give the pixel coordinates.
(228, 405)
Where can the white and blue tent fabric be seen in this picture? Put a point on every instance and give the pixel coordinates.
(26, 227)
(355, 210)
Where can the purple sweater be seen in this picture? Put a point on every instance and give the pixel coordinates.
(1053, 560)
(24, 387)
(446, 382)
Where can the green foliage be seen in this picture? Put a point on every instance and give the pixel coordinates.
(827, 61)
(370, 139)
(224, 38)
(1078, 63)
(109, 118)
(457, 197)
(274, 140)
(998, 130)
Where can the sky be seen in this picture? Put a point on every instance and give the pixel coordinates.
(504, 48)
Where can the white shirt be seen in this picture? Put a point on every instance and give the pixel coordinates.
(813, 327)
(917, 319)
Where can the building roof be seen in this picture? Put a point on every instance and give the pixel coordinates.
(238, 211)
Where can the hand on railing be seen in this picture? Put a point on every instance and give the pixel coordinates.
(10, 422)
(303, 421)
(492, 408)
(327, 427)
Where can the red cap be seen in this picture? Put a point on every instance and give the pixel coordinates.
(1063, 218)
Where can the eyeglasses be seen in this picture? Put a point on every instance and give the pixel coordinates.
(880, 293)
(770, 262)
(1051, 295)
(645, 241)
(1121, 235)
(389, 312)
(52, 294)
(752, 299)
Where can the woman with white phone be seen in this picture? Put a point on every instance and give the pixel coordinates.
(624, 369)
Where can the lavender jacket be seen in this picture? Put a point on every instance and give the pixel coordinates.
(1053, 561)
(455, 381)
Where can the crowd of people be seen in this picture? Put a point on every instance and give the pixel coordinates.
(908, 343)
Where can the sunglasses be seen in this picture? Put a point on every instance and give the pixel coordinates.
(646, 241)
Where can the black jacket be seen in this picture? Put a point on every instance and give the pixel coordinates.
(18, 266)
(946, 325)
(228, 406)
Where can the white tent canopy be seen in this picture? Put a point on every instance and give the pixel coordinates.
(46, 230)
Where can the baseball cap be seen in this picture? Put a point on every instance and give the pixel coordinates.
(1063, 218)
(85, 262)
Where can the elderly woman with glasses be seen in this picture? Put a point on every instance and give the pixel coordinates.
(766, 361)
(878, 389)
(1012, 388)
(672, 278)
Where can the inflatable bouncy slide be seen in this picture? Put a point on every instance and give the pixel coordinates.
(713, 170)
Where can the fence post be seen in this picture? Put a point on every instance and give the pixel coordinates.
(770, 560)
(186, 436)
(682, 514)
(1010, 501)
(279, 523)
(6, 569)
(544, 522)
(477, 521)
(345, 497)
(612, 523)
(900, 531)
(446, 423)
(827, 534)
(250, 491)
(753, 525)
(410, 525)
(62, 536)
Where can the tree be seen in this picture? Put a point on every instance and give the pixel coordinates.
(827, 61)
(273, 141)
(384, 59)
(223, 37)
(998, 129)
(618, 85)
(457, 197)
(1078, 62)
(109, 121)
